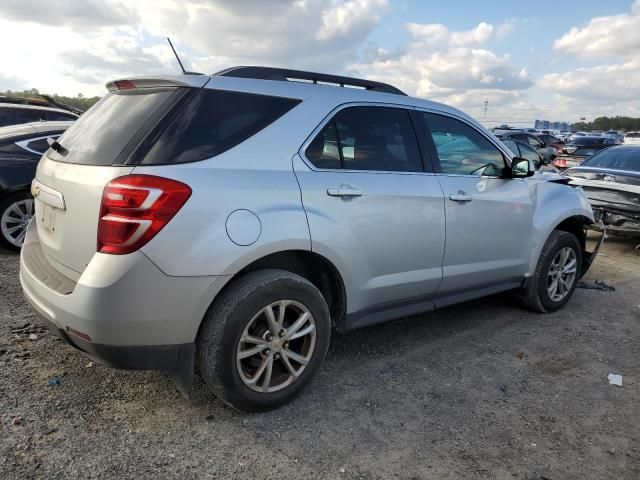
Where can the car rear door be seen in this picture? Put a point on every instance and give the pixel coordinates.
(372, 208)
(489, 217)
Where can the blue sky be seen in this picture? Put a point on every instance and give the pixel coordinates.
(543, 59)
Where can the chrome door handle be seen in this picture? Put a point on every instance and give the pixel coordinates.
(460, 197)
(344, 191)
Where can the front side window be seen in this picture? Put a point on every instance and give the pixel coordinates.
(461, 149)
(367, 138)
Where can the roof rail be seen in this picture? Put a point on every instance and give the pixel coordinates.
(284, 74)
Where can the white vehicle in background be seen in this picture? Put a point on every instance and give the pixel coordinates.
(632, 138)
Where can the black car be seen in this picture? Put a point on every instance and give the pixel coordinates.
(546, 151)
(579, 149)
(15, 114)
(21, 147)
(523, 150)
(611, 181)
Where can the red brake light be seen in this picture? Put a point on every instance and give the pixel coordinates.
(125, 85)
(135, 208)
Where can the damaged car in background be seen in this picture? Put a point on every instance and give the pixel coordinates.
(579, 149)
(611, 181)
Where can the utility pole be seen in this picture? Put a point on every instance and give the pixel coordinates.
(486, 106)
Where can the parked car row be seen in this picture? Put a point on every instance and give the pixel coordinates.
(21, 147)
(26, 124)
(611, 180)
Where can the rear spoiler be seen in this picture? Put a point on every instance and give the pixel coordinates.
(135, 83)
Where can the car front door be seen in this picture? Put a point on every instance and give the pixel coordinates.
(372, 208)
(488, 215)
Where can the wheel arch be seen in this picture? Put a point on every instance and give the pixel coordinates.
(316, 268)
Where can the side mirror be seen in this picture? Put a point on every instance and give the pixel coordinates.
(522, 168)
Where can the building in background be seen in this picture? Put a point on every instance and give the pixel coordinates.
(547, 125)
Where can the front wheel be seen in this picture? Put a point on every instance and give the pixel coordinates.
(557, 272)
(264, 339)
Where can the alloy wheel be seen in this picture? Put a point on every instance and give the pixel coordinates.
(276, 346)
(562, 274)
(15, 220)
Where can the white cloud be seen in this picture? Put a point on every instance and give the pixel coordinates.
(604, 36)
(608, 88)
(445, 64)
(77, 13)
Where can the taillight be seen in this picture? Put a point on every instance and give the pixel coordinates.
(135, 208)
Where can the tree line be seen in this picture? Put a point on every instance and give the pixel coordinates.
(609, 123)
(79, 101)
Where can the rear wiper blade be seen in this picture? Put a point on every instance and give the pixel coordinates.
(55, 145)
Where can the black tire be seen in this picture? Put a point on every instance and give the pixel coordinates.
(4, 205)
(535, 295)
(226, 321)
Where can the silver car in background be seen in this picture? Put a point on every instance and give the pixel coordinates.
(235, 219)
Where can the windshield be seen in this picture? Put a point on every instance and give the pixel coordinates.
(615, 158)
(588, 141)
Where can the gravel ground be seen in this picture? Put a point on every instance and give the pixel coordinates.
(479, 390)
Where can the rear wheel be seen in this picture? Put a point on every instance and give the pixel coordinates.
(557, 272)
(15, 213)
(264, 339)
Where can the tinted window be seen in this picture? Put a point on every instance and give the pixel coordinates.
(368, 138)
(323, 150)
(633, 135)
(53, 116)
(462, 149)
(533, 141)
(98, 136)
(530, 154)
(15, 116)
(588, 141)
(512, 145)
(209, 122)
(41, 145)
(615, 158)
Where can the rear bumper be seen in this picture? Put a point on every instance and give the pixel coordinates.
(177, 360)
(119, 300)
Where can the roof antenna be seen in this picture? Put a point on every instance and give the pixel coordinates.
(178, 58)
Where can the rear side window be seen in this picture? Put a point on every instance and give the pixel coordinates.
(41, 145)
(209, 122)
(367, 138)
(15, 116)
(59, 116)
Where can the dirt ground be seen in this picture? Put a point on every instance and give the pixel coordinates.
(479, 390)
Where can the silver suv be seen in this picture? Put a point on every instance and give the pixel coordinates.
(232, 220)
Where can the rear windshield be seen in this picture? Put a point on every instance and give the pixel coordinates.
(633, 135)
(588, 141)
(98, 136)
(622, 158)
(208, 122)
